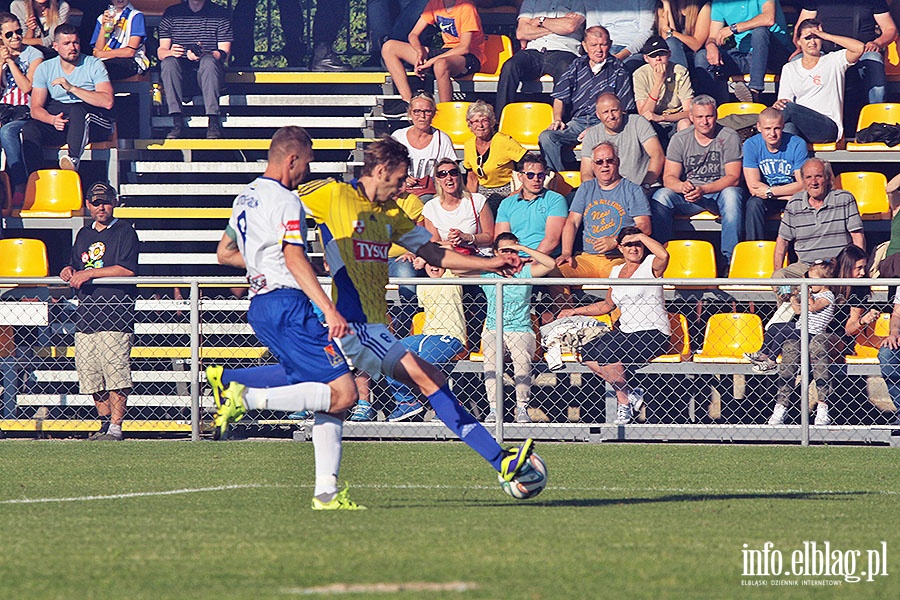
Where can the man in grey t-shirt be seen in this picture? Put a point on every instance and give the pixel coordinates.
(702, 173)
(640, 154)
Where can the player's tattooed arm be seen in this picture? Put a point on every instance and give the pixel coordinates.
(228, 253)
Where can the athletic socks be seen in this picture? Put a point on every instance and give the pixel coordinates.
(463, 424)
(326, 438)
(312, 396)
(115, 430)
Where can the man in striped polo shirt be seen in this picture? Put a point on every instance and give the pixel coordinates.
(194, 41)
(819, 221)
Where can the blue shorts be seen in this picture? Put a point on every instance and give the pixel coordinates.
(284, 321)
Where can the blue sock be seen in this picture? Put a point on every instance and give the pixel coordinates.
(257, 377)
(463, 424)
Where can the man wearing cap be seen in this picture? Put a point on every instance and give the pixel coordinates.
(105, 315)
(662, 90)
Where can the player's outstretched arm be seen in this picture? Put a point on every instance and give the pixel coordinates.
(504, 264)
(302, 270)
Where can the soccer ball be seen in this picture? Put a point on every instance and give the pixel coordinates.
(531, 480)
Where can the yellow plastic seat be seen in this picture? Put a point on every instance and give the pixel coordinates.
(739, 108)
(886, 112)
(752, 260)
(869, 190)
(729, 335)
(892, 62)
(680, 340)
(451, 119)
(22, 257)
(867, 353)
(690, 259)
(497, 50)
(52, 193)
(418, 323)
(566, 181)
(525, 121)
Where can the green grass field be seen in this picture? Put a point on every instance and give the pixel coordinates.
(616, 521)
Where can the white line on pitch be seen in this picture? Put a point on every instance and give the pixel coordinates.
(384, 588)
(217, 488)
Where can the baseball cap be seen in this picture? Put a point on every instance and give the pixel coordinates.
(101, 193)
(655, 46)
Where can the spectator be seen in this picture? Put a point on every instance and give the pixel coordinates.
(685, 25)
(41, 18)
(194, 41)
(820, 303)
(604, 205)
(400, 264)
(759, 44)
(643, 328)
(889, 358)
(890, 264)
(489, 156)
(868, 21)
(818, 222)
(662, 90)
(772, 162)
(703, 172)
(811, 93)
(550, 34)
(535, 215)
(118, 41)
(518, 333)
(576, 92)
(71, 103)
(636, 143)
(442, 338)
(852, 319)
(426, 145)
(105, 313)
(457, 218)
(630, 24)
(463, 52)
(19, 63)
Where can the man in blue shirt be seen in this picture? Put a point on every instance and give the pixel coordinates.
(71, 102)
(772, 162)
(576, 93)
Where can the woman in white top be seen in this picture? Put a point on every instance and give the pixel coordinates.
(39, 18)
(426, 145)
(643, 330)
(456, 217)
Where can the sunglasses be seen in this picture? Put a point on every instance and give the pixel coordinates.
(479, 164)
(442, 173)
(9, 34)
(631, 244)
(605, 161)
(508, 251)
(423, 112)
(99, 201)
(541, 175)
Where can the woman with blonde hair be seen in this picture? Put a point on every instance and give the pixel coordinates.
(489, 157)
(426, 145)
(685, 25)
(456, 217)
(40, 18)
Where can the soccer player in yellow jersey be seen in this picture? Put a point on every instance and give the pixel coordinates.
(359, 220)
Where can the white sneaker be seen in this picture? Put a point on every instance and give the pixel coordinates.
(623, 414)
(522, 415)
(68, 163)
(822, 414)
(778, 413)
(636, 401)
(491, 417)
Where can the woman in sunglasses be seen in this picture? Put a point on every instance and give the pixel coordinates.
(19, 64)
(642, 331)
(426, 145)
(489, 157)
(456, 217)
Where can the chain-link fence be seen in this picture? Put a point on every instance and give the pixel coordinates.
(686, 361)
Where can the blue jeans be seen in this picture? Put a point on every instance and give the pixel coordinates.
(633, 62)
(755, 212)
(729, 204)
(765, 55)
(868, 76)
(890, 370)
(11, 142)
(434, 349)
(680, 53)
(812, 126)
(528, 65)
(555, 143)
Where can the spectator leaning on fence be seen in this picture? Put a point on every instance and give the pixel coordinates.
(71, 103)
(643, 329)
(118, 40)
(105, 315)
(19, 63)
(194, 41)
(576, 92)
(772, 162)
(550, 33)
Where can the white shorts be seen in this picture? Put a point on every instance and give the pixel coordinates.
(372, 348)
